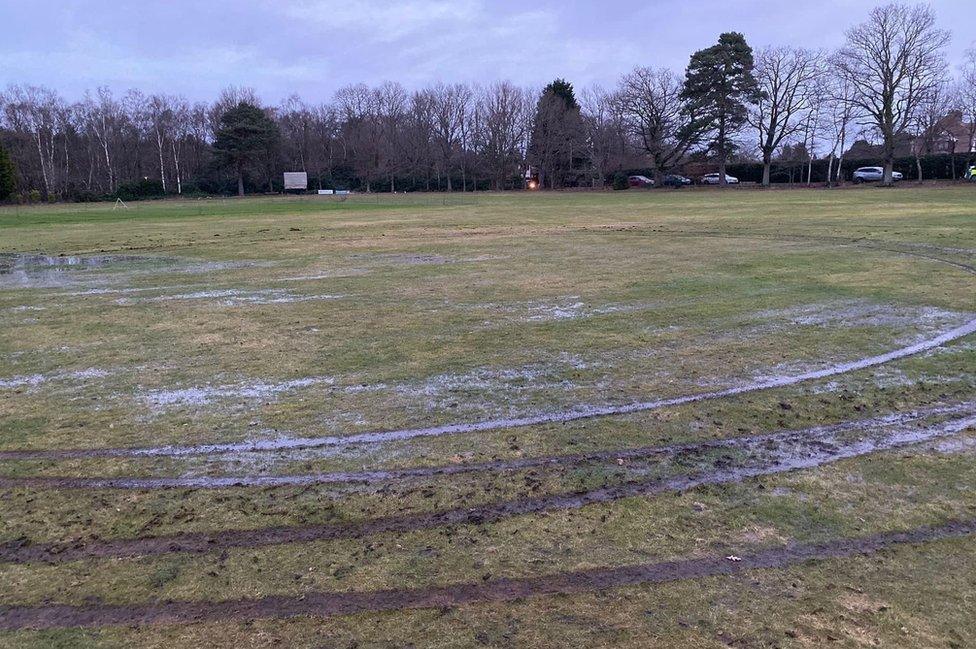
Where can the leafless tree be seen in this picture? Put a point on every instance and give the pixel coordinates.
(450, 104)
(838, 120)
(658, 117)
(607, 139)
(967, 99)
(788, 79)
(39, 113)
(893, 60)
(928, 122)
(502, 114)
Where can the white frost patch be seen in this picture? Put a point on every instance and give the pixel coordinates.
(121, 291)
(34, 380)
(864, 313)
(234, 297)
(349, 272)
(202, 395)
(570, 307)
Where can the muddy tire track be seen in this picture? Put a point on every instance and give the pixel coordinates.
(330, 604)
(785, 439)
(771, 460)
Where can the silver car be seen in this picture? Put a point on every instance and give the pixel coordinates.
(712, 179)
(873, 175)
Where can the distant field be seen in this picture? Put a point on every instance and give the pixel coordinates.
(688, 418)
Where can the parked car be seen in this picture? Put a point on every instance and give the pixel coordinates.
(971, 174)
(873, 175)
(713, 179)
(640, 181)
(675, 180)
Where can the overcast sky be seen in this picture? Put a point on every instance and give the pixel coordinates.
(313, 47)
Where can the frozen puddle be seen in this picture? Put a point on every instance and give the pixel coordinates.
(98, 272)
(21, 270)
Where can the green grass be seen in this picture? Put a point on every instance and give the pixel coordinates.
(476, 307)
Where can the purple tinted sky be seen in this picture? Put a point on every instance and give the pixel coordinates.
(312, 47)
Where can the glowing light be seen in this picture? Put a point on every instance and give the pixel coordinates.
(532, 184)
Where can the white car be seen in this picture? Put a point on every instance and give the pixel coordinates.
(873, 175)
(712, 179)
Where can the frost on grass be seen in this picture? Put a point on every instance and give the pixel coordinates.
(254, 391)
(420, 259)
(571, 307)
(35, 380)
(865, 313)
(234, 297)
(476, 393)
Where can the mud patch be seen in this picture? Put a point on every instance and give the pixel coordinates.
(330, 604)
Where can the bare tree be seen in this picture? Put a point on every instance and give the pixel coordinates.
(607, 139)
(838, 119)
(503, 112)
(788, 78)
(928, 122)
(893, 60)
(658, 116)
(103, 118)
(39, 113)
(450, 104)
(967, 100)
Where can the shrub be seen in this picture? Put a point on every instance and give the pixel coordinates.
(8, 175)
(620, 181)
(142, 189)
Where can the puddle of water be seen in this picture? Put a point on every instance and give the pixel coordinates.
(22, 270)
(27, 270)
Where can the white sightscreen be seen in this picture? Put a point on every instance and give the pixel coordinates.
(296, 180)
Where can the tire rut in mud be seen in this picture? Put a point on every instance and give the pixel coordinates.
(767, 456)
(330, 604)
(383, 476)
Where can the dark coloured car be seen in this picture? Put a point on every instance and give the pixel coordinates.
(675, 180)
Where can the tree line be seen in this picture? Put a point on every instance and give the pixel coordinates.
(890, 81)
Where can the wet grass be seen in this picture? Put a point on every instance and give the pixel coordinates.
(497, 305)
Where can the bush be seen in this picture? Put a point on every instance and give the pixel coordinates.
(137, 190)
(620, 181)
(8, 175)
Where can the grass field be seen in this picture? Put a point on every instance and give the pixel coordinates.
(691, 418)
